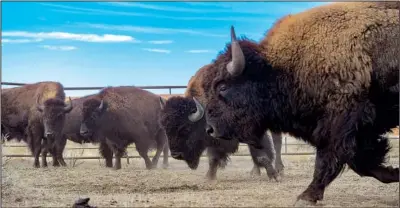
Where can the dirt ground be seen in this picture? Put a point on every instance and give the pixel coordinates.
(134, 186)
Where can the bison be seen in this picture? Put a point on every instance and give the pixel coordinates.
(125, 115)
(328, 76)
(184, 124)
(40, 124)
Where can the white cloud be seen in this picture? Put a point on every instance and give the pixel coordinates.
(6, 40)
(157, 50)
(200, 51)
(71, 36)
(71, 9)
(151, 30)
(59, 48)
(158, 42)
(163, 8)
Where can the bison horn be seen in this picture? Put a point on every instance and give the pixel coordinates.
(101, 105)
(162, 103)
(39, 107)
(236, 66)
(69, 106)
(194, 117)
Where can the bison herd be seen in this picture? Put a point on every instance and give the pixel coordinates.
(328, 76)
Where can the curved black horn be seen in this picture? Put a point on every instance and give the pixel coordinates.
(238, 62)
(101, 105)
(69, 106)
(162, 103)
(39, 107)
(196, 116)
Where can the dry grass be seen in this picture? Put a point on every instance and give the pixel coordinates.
(134, 186)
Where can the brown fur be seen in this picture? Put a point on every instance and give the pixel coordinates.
(130, 115)
(329, 76)
(19, 113)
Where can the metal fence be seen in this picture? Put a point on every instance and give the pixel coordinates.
(285, 143)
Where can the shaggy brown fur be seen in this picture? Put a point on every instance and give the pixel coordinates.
(129, 115)
(188, 139)
(21, 117)
(328, 75)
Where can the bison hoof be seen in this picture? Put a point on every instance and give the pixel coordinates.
(304, 203)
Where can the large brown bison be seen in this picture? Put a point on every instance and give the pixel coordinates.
(36, 112)
(125, 115)
(328, 76)
(184, 125)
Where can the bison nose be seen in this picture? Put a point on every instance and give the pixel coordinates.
(210, 130)
(49, 134)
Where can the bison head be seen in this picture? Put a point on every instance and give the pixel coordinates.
(183, 121)
(53, 111)
(237, 94)
(92, 112)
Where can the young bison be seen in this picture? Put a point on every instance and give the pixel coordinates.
(125, 115)
(326, 76)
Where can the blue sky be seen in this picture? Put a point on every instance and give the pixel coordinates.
(125, 43)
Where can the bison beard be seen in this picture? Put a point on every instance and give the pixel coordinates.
(344, 123)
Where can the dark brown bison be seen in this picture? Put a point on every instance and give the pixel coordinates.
(184, 125)
(328, 76)
(125, 115)
(37, 112)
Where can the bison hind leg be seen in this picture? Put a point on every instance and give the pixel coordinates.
(370, 158)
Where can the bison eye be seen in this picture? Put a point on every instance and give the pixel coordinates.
(222, 88)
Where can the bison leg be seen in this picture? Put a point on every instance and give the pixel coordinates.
(143, 153)
(118, 155)
(59, 149)
(215, 158)
(35, 142)
(277, 138)
(45, 150)
(265, 157)
(369, 158)
(327, 168)
(107, 153)
(165, 155)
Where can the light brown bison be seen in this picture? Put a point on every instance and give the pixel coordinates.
(125, 115)
(185, 127)
(36, 112)
(327, 75)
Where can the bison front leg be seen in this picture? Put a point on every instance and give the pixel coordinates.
(277, 139)
(165, 155)
(107, 153)
(216, 159)
(327, 168)
(59, 149)
(45, 150)
(35, 142)
(143, 153)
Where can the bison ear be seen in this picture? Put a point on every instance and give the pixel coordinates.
(162, 103)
